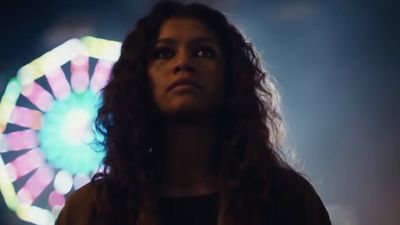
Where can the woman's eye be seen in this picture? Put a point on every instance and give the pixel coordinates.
(205, 52)
(162, 53)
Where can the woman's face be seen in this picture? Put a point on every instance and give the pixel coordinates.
(186, 69)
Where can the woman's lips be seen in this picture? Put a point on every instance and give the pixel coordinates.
(183, 83)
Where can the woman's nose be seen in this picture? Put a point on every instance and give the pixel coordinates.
(183, 61)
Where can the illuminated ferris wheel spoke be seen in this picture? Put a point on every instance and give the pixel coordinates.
(25, 163)
(58, 83)
(35, 185)
(20, 140)
(80, 73)
(100, 75)
(38, 95)
(26, 117)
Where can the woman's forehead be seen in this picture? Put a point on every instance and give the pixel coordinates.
(175, 28)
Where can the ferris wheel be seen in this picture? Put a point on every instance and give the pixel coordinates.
(47, 140)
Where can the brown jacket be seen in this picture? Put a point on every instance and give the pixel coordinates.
(293, 201)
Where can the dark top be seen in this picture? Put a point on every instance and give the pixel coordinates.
(293, 201)
(194, 210)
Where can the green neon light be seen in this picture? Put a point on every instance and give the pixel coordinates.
(61, 141)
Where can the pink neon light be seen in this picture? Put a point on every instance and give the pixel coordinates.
(24, 196)
(11, 171)
(26, 117)
(27, 162)
(79, 73)
(19, 140)
(38, 96)
(101, 75)
(38, 182)
(58, 83)
(56, 199)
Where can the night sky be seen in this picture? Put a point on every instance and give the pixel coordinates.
(337, 64)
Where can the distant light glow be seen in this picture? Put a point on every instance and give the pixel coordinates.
(58, 83)
(100, 75)
(6, 188)
(80, 180)
(68, 123)
(40, 216)
(26, 117)
(25, 196)
(12, 171)
(25, 74)
(102, 49)
(56, 210)
(63, 182)
(38, 96)
(37, 183)
(26, 163)
(53, 135)
(79, 73)
(78, 130)
(8, 101)
(51, 60)
(19, 140)
(56, 199)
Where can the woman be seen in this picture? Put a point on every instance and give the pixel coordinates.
(192, 132)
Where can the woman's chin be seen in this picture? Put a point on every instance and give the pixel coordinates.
(184, 110)
(187, 107)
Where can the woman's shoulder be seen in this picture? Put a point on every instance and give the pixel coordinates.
(293, 195)
(79, 206)
(85, 192)
(290, 181)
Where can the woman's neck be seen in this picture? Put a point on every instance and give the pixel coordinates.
(187, 165)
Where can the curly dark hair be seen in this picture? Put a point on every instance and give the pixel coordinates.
(250, 130)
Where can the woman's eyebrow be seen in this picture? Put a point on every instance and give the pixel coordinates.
(196, 40)
(166, 41)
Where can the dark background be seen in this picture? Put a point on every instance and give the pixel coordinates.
(337, 64)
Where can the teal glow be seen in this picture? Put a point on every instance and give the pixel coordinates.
(67, 137)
